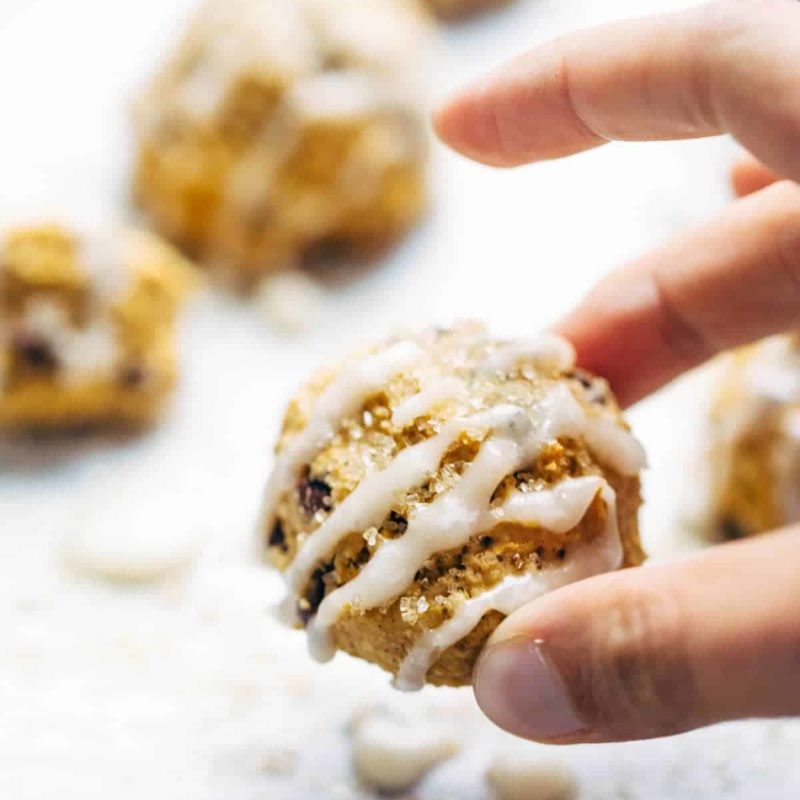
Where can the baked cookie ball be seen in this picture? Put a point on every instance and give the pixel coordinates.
(285, 130)
(86, 327)
(456, 9)
(429, 486)
(755, 448)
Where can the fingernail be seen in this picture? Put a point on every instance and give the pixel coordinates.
(518, 688)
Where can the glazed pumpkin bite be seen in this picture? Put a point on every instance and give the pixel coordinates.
(87, 327)
(755, 440)
(431, 485)
(282, 131)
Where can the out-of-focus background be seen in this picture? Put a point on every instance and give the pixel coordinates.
(189, 688)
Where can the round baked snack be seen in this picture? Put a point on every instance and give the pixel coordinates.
(287, 130)
(457, 9)
(428, 487)
(755, 447)
(86, 327)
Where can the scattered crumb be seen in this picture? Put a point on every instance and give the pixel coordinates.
(517, 778)
(290, 300)
(391, 755)
(280, 761)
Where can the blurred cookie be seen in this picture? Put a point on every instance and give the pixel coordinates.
(86, 327)
(429, 486)
(287, 130)
(455, 9)
(755, 449)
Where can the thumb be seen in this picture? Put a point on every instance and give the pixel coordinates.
(652, 651)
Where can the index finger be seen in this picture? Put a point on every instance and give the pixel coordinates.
(727, 67)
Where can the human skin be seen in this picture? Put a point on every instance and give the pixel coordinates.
(660, 650)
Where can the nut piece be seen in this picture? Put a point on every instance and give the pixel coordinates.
(118, 538)
(391, 755)
(518, 778)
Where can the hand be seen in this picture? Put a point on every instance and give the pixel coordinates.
(660, 650)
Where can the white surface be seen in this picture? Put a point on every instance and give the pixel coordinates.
(190, 690)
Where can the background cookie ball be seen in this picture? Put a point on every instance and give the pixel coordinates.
(455, 9)
(430, 486)
(86, 327)
(755, 449)
(284, 130)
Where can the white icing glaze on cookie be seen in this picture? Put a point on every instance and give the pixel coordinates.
(105, 258)
(81, 353)
(614, 446)
(512, 436)
(432, 394)
(341, 94)
(546, 351)
(371, 501)
(559, 509)
(455, 516)
(343, 398)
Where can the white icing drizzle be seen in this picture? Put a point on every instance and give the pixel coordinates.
(104, 256)
(271, 36)
(514, 436)
(82, 353)
(372, 500)
(343, 398)
(445, 524)
(342, 94)
(567, 504)
(546, 351)
(614, 446)
(558, 509)
(432, 394)
(454, 517)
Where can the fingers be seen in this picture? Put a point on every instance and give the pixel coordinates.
(733, 281)
(731, 66)
(749, 175)
(652, 651)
